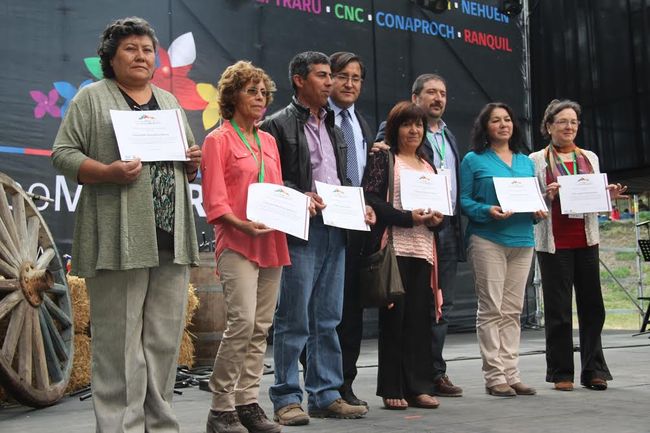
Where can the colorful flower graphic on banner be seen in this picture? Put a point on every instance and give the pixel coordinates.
(45, 103)
(211, 114)
(67, 91)
(172, 68)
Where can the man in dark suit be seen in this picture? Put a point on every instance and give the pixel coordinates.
(348, 73)
(429, 91)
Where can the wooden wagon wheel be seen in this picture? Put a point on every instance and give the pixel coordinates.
(36, 327)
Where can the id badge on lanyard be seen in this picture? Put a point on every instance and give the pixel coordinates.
(444, 171)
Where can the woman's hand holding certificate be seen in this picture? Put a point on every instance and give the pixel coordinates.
(584, 193)
(156, 135)
(280, 208)
(420, 190)
(519, 194)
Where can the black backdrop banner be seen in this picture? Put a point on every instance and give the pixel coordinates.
(597, 52)
(49, 52)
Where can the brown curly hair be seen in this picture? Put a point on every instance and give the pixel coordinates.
(233, 80)
(554, 107)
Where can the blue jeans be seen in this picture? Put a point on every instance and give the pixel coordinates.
(308, 311)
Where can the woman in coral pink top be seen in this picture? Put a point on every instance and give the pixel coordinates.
(249, 255)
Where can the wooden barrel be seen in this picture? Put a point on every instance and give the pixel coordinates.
(209, 320)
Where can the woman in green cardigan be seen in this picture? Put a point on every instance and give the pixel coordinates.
(134, 237)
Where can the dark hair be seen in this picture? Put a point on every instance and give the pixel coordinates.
(232, 82)
(341, 59)
(554, 107)
(419, 82)
(404, 112)
(301, 64)
(479, 136)
(114, 33)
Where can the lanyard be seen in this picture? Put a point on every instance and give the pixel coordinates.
(260, 177)
(440, 149)
(575, 163)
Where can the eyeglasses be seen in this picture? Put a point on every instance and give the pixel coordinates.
(253, 91)
(566, 122)
(344, 78)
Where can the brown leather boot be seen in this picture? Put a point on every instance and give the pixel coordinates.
(339, 409)
(443, 387)
(522, 389)
(224, 422)
(252, 417)
(291, 414)
(501, 390)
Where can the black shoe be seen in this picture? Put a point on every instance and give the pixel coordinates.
(351, 399)
(597, 384)
(252, 417)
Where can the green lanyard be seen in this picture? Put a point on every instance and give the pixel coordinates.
(575, 164)
(260, 177)
(440, 149)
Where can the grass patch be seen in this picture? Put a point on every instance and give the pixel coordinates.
(618, 272)
(629, 321)
(625, 256)
(613, 237)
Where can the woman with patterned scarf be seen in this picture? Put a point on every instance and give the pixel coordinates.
(567, 250)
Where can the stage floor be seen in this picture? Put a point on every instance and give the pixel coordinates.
(624, 407)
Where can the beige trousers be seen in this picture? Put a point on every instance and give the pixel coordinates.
(500, 275)
(250, 293)
(137, 320)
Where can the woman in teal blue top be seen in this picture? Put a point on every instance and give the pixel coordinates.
(500, 245)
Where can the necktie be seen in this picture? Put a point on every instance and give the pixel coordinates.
(348, 135)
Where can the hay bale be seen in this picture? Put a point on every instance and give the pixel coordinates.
(192, 305)
(6, 399)
(80, 304)
(80, 374)
(81, 363)
(186, 352)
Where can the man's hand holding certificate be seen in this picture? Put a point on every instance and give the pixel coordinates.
(157, 135)
(519, 194)
(584, 193)
(345, 206)
(280, 208)
(420, 190)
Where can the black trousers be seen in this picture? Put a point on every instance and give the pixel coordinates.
(405, 358)
(561, 272)
(447, 268)
(350, 330)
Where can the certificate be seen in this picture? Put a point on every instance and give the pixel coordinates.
(584, 193)
(345, 206)
(421, 190)
(279, 207)
(156, 135)
(519, 194)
